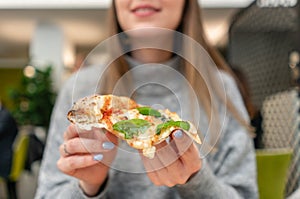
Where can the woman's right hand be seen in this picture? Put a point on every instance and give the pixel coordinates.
(87, 155)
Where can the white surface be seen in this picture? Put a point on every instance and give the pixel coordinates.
(47, 47)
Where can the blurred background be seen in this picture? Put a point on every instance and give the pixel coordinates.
(43, 42)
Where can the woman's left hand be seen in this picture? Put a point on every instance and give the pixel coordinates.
(174, 162)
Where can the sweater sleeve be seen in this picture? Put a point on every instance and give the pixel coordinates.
(295, 195)
(52, 183)
(231, 171)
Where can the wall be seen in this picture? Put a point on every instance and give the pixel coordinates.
(9, 78)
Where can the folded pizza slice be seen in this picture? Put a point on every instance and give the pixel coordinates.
(142, 127)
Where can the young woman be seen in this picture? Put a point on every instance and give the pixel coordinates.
(88, 164)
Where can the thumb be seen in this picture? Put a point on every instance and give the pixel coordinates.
(111, 137)
(182, 141)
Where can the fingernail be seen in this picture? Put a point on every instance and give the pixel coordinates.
(108, 145)
(98, 157)
(168, 140)
(178, 134)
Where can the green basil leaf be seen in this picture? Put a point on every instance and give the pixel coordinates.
(149, 111)
(181, 124)
(132, 128)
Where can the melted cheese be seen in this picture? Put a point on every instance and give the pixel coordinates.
(106, 110)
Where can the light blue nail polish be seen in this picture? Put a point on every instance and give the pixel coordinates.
(108, 145)
(168, 140)
(98, 157)
(178, 134)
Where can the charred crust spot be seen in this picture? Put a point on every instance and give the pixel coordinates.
(70, 114)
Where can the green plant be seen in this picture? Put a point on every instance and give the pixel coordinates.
(34, 98)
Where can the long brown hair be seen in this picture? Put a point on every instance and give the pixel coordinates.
(191, 25)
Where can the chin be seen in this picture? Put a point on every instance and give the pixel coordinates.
(148, 31)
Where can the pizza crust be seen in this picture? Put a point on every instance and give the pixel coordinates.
(106, 111)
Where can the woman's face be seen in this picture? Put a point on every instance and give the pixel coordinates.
(134, 14)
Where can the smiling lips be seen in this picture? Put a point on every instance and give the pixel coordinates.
(145, 10)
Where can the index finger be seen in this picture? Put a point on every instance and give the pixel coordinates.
(71, 132)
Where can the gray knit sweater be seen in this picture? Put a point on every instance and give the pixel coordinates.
(230, 172)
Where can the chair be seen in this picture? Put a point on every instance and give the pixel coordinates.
(20, 149)
(19, 157)
(272, 168)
